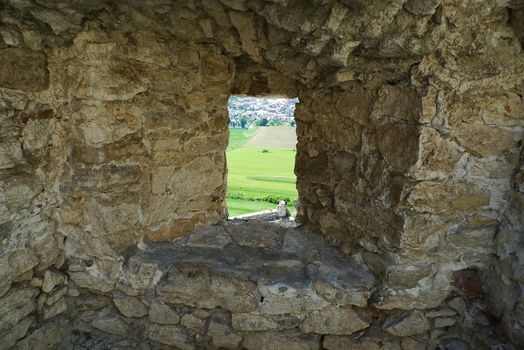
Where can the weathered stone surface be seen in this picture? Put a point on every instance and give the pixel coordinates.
(251, 234)
(197, 287)
(55, 309)
(171, 335)
(344, 285)
(52, 279)
(407, 324)
(113, 132)
(23, 69)
(282, 298)
(109, 322)
(18, 331)
(130, 306)
(259, 322)
(46, 337)
(281, 340)
(333, 342)
(163, 314)
(333, 320)
(193, 322)
(15, 306)
(223, 336)
(209, 237)
(55, 296)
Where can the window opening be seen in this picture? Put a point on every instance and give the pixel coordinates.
(261, 157)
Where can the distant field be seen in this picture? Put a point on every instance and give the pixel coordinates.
(239, 137)
(274, 136)
(256, 173)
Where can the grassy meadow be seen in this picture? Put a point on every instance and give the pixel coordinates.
(258, 177)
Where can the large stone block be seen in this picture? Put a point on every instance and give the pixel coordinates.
(197, 286)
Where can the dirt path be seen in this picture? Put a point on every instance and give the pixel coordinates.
(274, 136)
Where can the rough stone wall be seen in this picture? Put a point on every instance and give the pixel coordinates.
(113, 128)
(415, 168)
(111, 134)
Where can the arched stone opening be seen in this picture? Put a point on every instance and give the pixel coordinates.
(113, 132)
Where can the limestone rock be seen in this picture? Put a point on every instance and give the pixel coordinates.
(163, 314)
(334, 342)
(56, 295)
(407, 324)
(281, 298)
(31, 68)
(129, 306)
(52, 279)
(46, 337)
(18, 331)
(344, 285)
(193, 322)
(281, 340)
(110, 323)
(54, 309)
(251, 234)
(223, 336)
(171, 335)
(195, 286)
(260, 322)
(421, 7)
(336, 321)
(15, 306)
(209, 237)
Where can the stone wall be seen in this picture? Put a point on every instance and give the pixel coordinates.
(113, 130)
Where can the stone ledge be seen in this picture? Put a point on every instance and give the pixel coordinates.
(254, 267)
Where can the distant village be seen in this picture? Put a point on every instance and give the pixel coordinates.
(246, 112)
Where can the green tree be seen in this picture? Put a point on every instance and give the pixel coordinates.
(263, 122)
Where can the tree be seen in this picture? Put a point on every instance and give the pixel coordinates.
(263, 122)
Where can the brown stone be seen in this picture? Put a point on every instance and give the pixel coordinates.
(23, 69)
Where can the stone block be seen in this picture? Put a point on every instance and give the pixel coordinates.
(129, 306)
(52, 278)
(163, 314)
(15, 306)
(199, 287)
(257, 322)
(23, 69)
(398, 144)
(56, 295)
(54, 309)
(171, 335)
(223, 336)
(335, 320)
(254, 234)
(344, 284)
(283, 340)
(406, 324)
(336, 342)
(209, 237)
(293, 297)
(10, 154)
(447, 197)
(8, 340)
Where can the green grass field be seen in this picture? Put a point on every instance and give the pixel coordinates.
(256, 173)
(239, 137)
